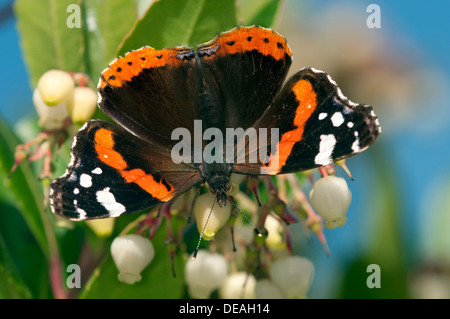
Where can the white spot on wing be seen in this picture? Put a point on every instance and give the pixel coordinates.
(337, 119)
(97, 171)
(331, 80)
(76, 191)
(316, 71)
(341, 95)
(107, 200)
(355, 146)
(326, 147)
(344, 98)
(82, 213)
(350, 124)
(85, 180)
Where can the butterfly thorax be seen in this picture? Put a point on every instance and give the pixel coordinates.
(218, 177)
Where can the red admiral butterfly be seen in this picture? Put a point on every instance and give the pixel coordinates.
(234, 81)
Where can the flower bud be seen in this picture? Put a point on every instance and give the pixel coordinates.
(235, 181)
(218, 218)
(330, 198)
(274, 229)
(84, 104)
(293, 275)
(131, 254)
(50, 117)
(56, 87)
(101, 227)
(239, 285)
(205, 274)
(266, 289)
(183, 203)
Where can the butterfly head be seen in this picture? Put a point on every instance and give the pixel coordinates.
(220, 189)
(218, 177)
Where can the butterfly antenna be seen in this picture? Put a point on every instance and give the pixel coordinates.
(203, 230)
(245, 216)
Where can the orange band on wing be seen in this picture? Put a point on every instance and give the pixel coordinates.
(104, 144)
(307, 99)
(148, 183)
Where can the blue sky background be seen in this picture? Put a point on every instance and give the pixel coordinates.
(419, 150)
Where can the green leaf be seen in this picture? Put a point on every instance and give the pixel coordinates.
(170, 23)
(47, 41)
(105, 24)
(23, 185)
(260, 12)
(157, 280)
(11, 286)
(22, 256)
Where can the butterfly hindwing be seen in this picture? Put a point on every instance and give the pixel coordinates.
(114, 173)
(317, 125)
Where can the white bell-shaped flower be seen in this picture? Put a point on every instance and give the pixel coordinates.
(274, 230)
(56, 87)
(50, 117)
(293, 275)
(266, 289)
(84, 104)
(330, 198)
(131, 254)
(239, 285)
(218, 218)
(235, 181)
(205, 274)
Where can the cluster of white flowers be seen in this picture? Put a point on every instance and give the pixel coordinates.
(57, 98)
(290, 277)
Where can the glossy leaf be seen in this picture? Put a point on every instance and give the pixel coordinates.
(105, 24)
(170, 23)
(257, 12)
(23, 185)
(47, 41)
(11, 285)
